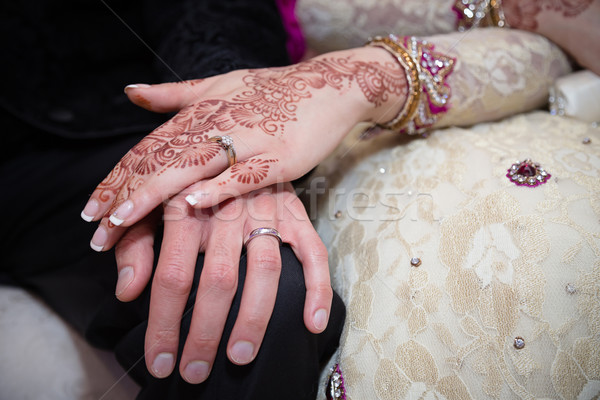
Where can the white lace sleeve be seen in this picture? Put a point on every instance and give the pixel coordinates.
(333, 25)
(498, 72)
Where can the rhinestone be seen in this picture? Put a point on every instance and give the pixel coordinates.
(586, 140)
(570, 288)
(415, 261)
(227, 140)
(540, 178)
(338, 214)
(382, 170)
(531, 181)
(543, 173)
(521, 179)
(514, 177)
(519, 343)
(527, 169)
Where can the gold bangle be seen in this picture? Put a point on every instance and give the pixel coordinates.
(412, 70)
(497, 14)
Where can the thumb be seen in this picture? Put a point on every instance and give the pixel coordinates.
(164, 97)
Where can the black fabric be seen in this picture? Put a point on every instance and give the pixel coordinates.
(65, 123)
(45, 248)
(65, 62)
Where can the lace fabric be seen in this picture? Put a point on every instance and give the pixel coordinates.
(498, 261)
(333, 25)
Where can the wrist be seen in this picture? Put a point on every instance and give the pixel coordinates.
(376, 86)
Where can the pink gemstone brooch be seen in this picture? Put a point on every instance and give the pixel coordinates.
(527, 173)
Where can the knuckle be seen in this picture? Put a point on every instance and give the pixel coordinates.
(164, 336)
(324, 290)
(174, 279)
(202, 341)
(319, 254)
(264, 202)
(220, 275)
(255, 322)
(268, 262)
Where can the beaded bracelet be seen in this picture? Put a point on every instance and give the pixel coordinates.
(426, 74)
(479, 13)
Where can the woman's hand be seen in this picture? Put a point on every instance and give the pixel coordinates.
(283, 121)
(220, 234)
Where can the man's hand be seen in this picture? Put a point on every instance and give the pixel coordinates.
(220, 233)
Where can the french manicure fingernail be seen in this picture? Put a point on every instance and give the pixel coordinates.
(242, 352)
(136, 86)
(90, 210)
(321, 319)
(191, 199)
(163, 365)
(99, 239)
(122, 212)
(196, 371)
(124, 280)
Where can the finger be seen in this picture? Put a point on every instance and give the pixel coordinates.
(199, 161)
(171, 286)
(138, 163)
(217, 287)
(105, 236)
(312, 254)
(135, 258)
(241, 178)
(165, 97)
(258, 299)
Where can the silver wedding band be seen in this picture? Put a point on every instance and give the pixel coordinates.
(263, 231)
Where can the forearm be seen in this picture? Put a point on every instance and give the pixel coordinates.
(475, 77)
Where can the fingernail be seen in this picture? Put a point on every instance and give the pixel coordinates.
(242, 352)
(196, 371)
(193, 198)
(163, 365)
(136, 86)
(122, 212)
(99, 239)
(124, 280)
(90, 210)
(320, 319)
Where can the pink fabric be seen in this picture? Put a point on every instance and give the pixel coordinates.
(296, 46)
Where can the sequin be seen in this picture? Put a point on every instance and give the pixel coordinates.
(335, 387)
(415, 261)
(519, 343)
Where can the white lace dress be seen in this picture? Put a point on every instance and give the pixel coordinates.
(503, 301)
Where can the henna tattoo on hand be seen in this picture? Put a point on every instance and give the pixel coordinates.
(252, 171)
(523, 14)
(273, 94)
(269, 100)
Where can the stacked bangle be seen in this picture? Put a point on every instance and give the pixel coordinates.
(474, 13)
(426, 73)
(412, 70)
